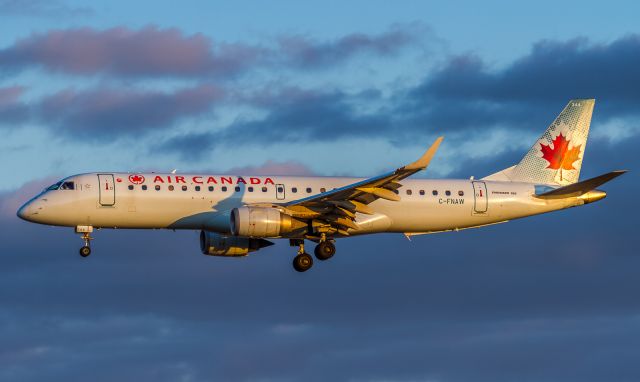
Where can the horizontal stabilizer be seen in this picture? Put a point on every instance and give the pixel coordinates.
(580, 188)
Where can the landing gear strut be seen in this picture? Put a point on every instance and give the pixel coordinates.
(303, 261)
(85, 250)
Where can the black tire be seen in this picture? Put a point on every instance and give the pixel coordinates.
(302, 262)
(85, 251)
(325, 250)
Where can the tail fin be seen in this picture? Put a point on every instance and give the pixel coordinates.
(556, 158)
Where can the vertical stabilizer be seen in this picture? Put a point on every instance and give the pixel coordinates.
(556, 158)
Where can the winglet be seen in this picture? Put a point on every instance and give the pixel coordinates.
(423, 162)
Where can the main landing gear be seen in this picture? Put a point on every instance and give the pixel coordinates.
(323, 251)
(85, 250)
(303, 261)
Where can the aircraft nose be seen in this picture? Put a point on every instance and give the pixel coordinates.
(25, 211)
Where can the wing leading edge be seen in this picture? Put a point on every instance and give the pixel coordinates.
(337, 208)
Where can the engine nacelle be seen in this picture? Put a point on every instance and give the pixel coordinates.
(214, 244)
(263, 222)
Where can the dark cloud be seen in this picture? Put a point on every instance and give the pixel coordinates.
(12, 110)
(467, 93)
(462, 99)
(292, 115)
(153, 51)
(117, 112)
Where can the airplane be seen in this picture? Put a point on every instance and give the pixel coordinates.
(239, 214)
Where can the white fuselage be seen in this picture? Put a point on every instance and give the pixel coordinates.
(187, 201)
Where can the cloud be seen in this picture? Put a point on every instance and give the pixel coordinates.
(42, 8)
(304, 52)
(158, 52)
(467, 93)
(12, 110)
(464, 99)
(121, 51)
(292, 114)
(117, 112)
(271, 167)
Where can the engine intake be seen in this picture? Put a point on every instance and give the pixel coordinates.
(263, 222)
(214, 244)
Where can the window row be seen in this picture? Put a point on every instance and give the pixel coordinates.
(280, 189)
(157, 187)
(434, 192)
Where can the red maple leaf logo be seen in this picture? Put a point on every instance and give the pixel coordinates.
(136, 179)
(560, 156)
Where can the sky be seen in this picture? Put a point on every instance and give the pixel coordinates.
(325, 88)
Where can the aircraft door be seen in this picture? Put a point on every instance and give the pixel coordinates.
(280, 191)
(480, 199)
(106, 189)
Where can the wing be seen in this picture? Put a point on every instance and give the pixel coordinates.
(336, 209)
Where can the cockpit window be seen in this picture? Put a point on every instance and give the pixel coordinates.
(54, 186)
(68, 186)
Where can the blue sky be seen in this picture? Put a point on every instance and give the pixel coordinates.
(329, 88)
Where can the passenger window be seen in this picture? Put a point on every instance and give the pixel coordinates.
(144, 187)
(237, 189)
(460, 193)
(448, 193)
(224, 188)
(210, 188)
(197, 188)
(422, 192)
(264, 189)
(131, 186)
(409, 192)
(170, 188)
(294, 189)
(308, 190)
(435, 192)
(280, 190)
(157, 187)
(250, 189)
(184, 188)
(323, 189)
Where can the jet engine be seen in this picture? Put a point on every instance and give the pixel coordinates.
(263, 222)
(214, 244)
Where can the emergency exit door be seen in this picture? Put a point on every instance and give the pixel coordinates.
(480, 199)
(107, 190)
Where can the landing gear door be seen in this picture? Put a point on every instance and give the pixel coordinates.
(480, 199)
(107, 190)
(280, 192)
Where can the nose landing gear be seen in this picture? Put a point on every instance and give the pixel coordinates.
(85, 250)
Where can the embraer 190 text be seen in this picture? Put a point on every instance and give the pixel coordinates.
(237, 214)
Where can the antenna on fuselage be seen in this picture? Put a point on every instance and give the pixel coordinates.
(174, 170)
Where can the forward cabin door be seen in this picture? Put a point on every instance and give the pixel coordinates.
(480, 199)
(280, 191)
(107, 190)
